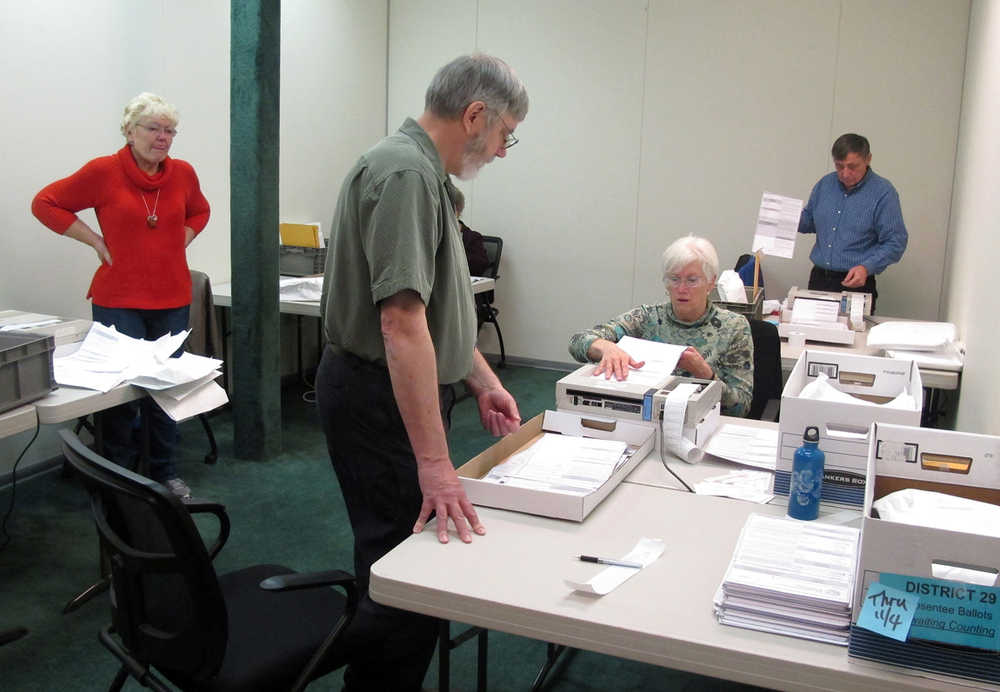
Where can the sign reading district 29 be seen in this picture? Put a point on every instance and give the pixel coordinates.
(952, 612)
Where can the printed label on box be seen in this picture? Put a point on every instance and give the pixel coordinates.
(950, 611)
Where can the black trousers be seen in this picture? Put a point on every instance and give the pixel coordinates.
(387, 648)
(829, 280)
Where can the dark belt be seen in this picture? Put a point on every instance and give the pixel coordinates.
(830, 273)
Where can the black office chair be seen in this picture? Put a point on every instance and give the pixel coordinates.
(485, 310)
(766, 400)
(259, 628)
(205, 340)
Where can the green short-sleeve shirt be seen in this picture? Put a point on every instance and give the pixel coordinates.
(395, 229)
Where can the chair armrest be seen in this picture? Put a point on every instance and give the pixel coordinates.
(771, 410)
(196, 506)
(308, 580)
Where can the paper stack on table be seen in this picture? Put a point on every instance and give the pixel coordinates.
(183, 387)
(791, 577)
(932, 345)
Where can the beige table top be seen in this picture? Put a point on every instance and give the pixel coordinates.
(18, 420)
(69, 403)
(512, 580)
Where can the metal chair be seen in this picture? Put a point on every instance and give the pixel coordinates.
(485, 310)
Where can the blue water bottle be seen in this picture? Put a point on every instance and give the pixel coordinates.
(807, 477)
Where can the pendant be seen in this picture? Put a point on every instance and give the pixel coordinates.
(151, 220)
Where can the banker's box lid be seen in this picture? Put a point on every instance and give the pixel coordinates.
(955, 463)
(548, 503)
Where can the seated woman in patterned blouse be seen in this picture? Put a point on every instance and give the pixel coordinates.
(719, 343)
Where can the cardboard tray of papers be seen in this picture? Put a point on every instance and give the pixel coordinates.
(843, 427)
(551, 503)
(954, 463)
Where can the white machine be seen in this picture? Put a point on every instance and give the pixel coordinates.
(828, 316)
(582, 392)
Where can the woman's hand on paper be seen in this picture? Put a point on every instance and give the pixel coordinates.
(615, 362)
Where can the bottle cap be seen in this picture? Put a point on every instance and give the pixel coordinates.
(811, 434)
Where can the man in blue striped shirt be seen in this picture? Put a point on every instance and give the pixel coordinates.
(858, 222)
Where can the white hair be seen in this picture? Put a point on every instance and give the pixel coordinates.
(147, 105)
(686, 250)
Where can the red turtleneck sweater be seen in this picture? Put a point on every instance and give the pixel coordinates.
(149, 266)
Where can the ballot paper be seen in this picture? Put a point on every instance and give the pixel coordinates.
(791, 577)
(106, 358)
(777, 225)
(646, 552)
(206, 396)
(659, 361)
(562, 463)
(752, 486)
(300, 288)
(912, 336)
(821, 389)
(745, 444)
(810, 311)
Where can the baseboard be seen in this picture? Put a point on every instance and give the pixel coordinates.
(33, 471)
(494, 358)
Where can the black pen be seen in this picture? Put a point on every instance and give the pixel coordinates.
(609, 561)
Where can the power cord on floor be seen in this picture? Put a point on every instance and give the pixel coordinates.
(4, 536)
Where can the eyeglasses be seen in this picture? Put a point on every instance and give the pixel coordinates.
(509, 139)
(168, 131)
(675, 281)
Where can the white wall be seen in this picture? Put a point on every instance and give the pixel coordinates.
(654, 119)
(69, 69)
(973, 252)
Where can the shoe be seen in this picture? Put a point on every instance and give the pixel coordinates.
(178, 487)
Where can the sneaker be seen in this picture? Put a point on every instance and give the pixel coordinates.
(178, 488)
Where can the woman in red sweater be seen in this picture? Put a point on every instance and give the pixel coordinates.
(149, 208)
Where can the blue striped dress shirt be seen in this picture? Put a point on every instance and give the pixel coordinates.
(863, 225)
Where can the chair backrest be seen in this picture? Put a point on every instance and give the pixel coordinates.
(745, 268)
(494, 248)
(766, 366)
(205, 338)
(166, 603)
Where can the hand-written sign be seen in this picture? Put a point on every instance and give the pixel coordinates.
(888, 611)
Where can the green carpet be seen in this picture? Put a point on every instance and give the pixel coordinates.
(285, 510)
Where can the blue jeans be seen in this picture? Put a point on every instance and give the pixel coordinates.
(120, 425)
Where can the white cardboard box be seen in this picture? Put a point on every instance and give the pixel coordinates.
(843, 427)
(551, 503)
(956, 463)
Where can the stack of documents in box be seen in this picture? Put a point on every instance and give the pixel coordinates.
(791, 577)
(562, 463)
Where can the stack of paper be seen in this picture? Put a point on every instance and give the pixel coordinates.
(819, 312)
(932, 345)
(562, 463)
(791, 577)
(183, 387)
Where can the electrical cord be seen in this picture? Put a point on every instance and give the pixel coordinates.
(4, 536)
(659, 433)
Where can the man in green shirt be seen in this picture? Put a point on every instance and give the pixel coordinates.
(401, 329)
